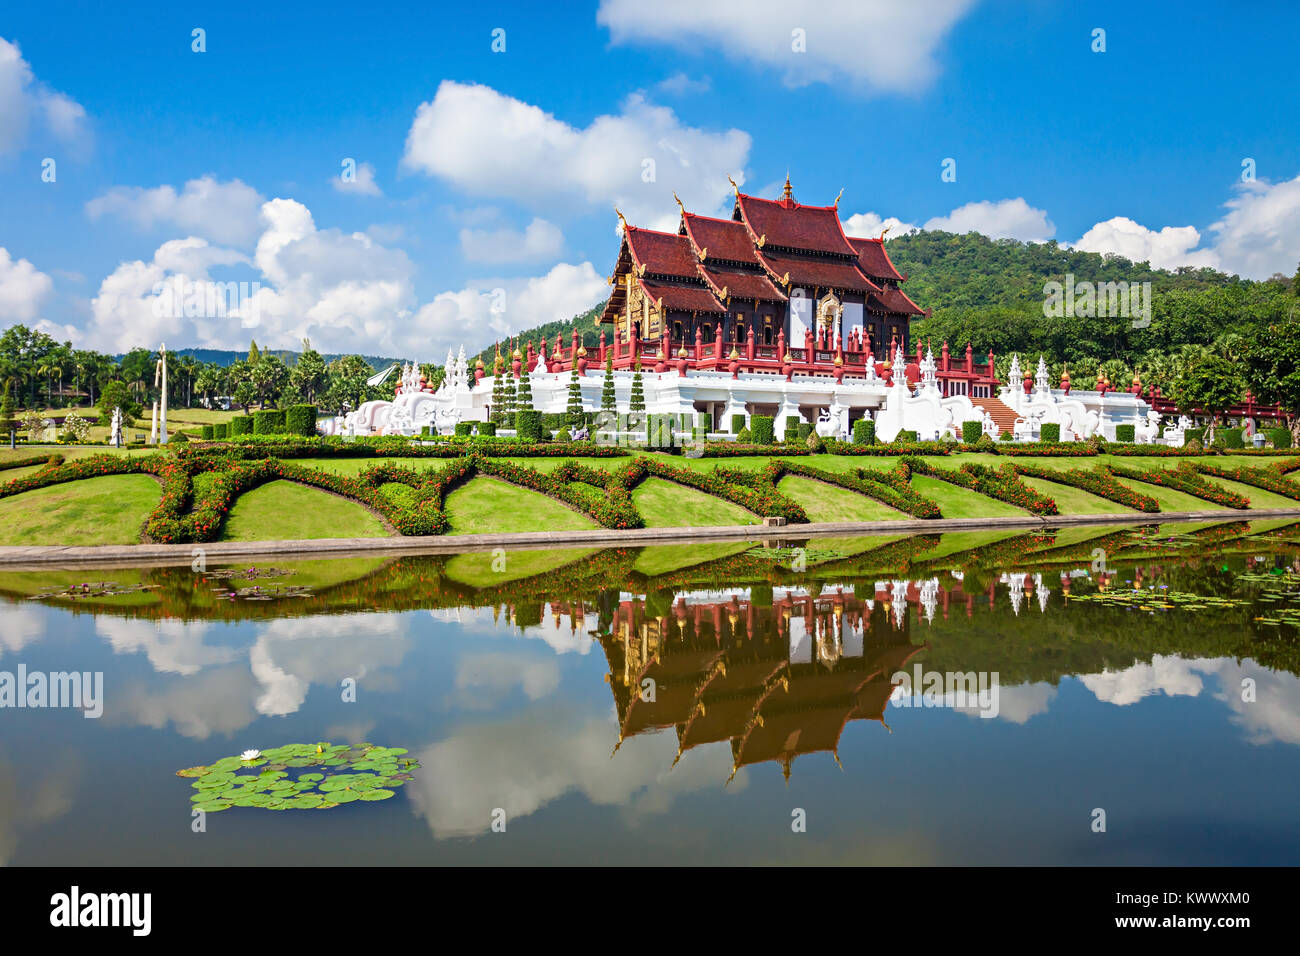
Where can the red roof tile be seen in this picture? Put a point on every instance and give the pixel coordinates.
(874, 260)
(794, 226)
(665, 253)
(743, 285)
(685, 298)
(894, 300)
(720, 238)
(827, 274)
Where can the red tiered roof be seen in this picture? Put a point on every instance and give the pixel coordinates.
(742, 285)
(893, 300)
(874, 260)
(784, 222)
(719, 238)
(664, 253)
(838, 274)
(691, 298)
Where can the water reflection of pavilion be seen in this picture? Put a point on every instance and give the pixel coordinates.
(775, 679)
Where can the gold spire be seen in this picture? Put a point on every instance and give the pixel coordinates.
(787, 193)
(679, 203)
(621, 220)
(836, 204)
(883, 231)
(734, 186)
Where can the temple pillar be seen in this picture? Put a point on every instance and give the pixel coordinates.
(789, 410)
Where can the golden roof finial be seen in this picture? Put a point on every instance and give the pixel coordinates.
(836, 204)
(883, 231)
(622, 221)
(788, 193)
(679, 203)
(734, 186)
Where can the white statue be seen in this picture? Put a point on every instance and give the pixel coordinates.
(115, 428)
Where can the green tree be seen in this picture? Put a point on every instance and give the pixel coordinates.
(608, 403)
(308, 376)
(573, 410)
(1273, 369)
(498, 410)
(117, 394)
(524, 398)
(509, 395)
(636, 402)
(1211, 383)
(347, 384)
(254, 353)
(7, 423)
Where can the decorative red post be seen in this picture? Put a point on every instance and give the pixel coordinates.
(699, 343)
(944, 359)
(602, 346)
(717, 345)
(970, 359)
(750, 343)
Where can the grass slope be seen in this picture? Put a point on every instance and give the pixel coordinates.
(283, 510)
(824, 502)
(665, 504)
(1074, 501)
(485, 505)
(106, 510)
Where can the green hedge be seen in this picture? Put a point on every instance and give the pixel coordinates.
(1050, 431)
(864, 432)
(1280, 437)
(1125, 433)
(737, 424)
(763, 429)
(464, 429)
(300, 420)
(804, 431)
(528, 424)
(268, 421)
(791, 429)
(906, 435)
(487, 429)
(1228, 438)
(242, 425)
(1194, 433)
(207, 432)
(220, 431)
(971, 431)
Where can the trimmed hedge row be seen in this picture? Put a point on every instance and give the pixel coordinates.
(742, 488)
(1187, 480)
(1099, 483)
(1265, 478)
(48, 460)
(1003, 484)
(280, 446)
(867, 482)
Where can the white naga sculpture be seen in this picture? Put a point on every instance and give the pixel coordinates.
(415, 404)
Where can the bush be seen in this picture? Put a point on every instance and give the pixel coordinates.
(300, 420)
(1193, 446)
(1050, 431)
(791, 429)
(207, 433)
(487, 429)
(984, 442)
(763, 429)
(1228, 438)
(1125, 433)
(563, 435)
(1194, 434)
(180, 438)
(242, 425)
(268, 421)
(971, 432)
(906, 435)
(220, 431)
(804, 431)
(743, 436)
(737, 424)
(553, 420)
(1280, 437)
(528, 424)
(864, 432)
(464, 429)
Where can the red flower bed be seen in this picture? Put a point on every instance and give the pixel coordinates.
(1100, 483)
(1185, 479)
(1002, 485)
(1266, 478)
(866, 482)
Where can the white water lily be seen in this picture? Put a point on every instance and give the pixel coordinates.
(250, 755)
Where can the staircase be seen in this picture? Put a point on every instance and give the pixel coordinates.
(1004, 416)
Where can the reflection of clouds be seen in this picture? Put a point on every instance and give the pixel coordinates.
(30, 798)
(292, 654)
(486, 679)
(1272, 717)
(1017, 704)
(216, 701)
(543, 753)
(20, 625)
(1174, 676)
(564, 636)
(174, 647)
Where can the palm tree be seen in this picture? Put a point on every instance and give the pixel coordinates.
(46, 370)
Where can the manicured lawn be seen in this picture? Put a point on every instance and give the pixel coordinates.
(1259, 497)
(665, 504)
(823, 502)
(1169, 498)
(106, 510)
(487, 505)
(1073, 501)
(958, 502)
(283, 510)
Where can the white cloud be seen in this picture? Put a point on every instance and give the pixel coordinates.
(20, 625)
(1003, 219)
(871, 44)
(22, 98)
(487, 679)
(539, 240)
(228, 212)
(23, 288)
(362, 184)
(1260, 234)
(1169, 248)
(679, 84)
(487, 143)
(172, 646)
(1173, 676)
(868, 225)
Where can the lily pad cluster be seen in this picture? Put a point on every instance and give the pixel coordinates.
(317, 776)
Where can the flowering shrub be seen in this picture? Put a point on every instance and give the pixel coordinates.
(1266, 478)
(1100, 483)
(836, 447)
(1187, 480)
(750, 492)
(48, 460)
(254, 447)
(75, 428)
(1002, 484)
(866, 482)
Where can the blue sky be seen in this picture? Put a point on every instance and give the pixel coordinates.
(487, 180)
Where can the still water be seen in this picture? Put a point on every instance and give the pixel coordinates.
(717, 702)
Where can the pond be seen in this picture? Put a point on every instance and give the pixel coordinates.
(1089, 695)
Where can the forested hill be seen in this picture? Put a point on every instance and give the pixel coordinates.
(990, 292)
(585, 323)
